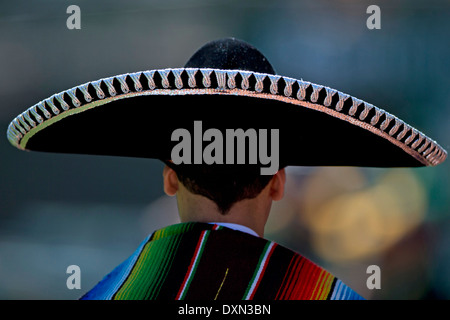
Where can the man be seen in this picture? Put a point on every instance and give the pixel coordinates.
(217, 252)
(226, 171)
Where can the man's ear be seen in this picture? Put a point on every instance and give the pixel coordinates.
(170, 181)
(277, 185)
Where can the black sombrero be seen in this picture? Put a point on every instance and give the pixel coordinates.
(226, 84)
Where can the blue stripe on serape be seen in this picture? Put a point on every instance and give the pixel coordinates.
(343, 292)
(109, 285)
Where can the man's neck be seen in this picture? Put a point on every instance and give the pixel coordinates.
(250, 213)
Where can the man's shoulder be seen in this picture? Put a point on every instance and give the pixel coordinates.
(208, 261)
(275, 267)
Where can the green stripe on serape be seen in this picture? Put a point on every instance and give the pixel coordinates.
(153, 265)
(197, 257)
(175, 229)
(257, 271)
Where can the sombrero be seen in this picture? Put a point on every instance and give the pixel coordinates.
(226, 84)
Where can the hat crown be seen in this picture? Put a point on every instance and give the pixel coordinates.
(230, 54)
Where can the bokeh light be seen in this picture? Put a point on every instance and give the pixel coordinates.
(362, 222)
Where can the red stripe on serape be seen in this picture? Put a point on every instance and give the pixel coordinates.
(294, 292)
(288, 283)
(317, 286)
(303, 280)
(306, 288)
(191, 265)
(298, 284)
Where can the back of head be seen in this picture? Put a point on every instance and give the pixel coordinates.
(230, 54)
(223, 184)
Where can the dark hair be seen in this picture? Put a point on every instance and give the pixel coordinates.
(223, 184)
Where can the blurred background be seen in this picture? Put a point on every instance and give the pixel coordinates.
(92, 211)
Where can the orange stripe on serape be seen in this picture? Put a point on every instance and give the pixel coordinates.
(323, 286)
(304, 280)
(326, 286)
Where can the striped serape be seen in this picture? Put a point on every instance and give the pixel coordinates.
(199, 261)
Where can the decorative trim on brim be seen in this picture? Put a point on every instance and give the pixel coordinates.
(187, 81)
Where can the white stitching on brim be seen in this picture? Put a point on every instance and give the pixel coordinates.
(416, 143)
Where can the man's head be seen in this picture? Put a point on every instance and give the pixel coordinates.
(223, 193)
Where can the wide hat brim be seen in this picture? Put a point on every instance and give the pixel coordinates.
(135, 114)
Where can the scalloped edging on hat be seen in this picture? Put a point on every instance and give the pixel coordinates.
(187, 81)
